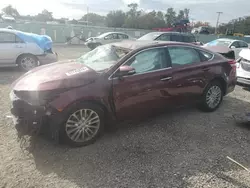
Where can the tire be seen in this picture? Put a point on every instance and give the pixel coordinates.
(73, 134)
(27, 62)
(216, 88)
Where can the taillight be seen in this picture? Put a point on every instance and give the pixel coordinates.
(232, 63)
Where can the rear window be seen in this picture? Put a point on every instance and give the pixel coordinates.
(149, 36)
(188, 39)
(177, 38)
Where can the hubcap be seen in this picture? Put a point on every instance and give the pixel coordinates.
(82, 125)
(213, 96)
(28, 63)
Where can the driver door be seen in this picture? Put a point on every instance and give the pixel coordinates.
(145, 92)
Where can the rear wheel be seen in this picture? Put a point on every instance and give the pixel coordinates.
(27, 62)
(83, 125)
(212, 97)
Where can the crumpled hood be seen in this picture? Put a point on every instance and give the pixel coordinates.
(58, 75)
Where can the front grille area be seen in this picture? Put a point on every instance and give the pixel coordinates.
(22, 109)
(245, 64)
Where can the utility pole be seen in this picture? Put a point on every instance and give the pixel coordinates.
(217, 23)
(87, 17)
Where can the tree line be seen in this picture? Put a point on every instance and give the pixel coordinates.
(136, 18)
(133, 18)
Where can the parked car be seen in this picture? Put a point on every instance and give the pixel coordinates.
(117, 82)
(243, 67)
(171, 36)
(25, 50)
(106, 38)
(236, 45)
(201, 30)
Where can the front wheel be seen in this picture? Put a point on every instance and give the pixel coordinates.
(212, 97)
(83, 125)
(27, 62)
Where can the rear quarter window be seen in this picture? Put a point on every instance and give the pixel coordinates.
(206, 56)
(188, 39)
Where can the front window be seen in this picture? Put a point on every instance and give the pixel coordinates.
(149, 60)
(102, 57)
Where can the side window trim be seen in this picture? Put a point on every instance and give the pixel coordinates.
(162, 47)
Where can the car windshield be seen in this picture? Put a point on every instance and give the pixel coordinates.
(225, 43)
(103, 57)
(149, 36)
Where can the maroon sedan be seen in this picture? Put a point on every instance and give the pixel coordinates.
(73, 100)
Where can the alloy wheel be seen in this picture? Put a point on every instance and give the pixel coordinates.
(213, 96)
(28, 63)
(82, 125)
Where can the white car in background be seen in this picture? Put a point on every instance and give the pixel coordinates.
(25, 50)
(235, 45)
(106, 38)
(243, 67)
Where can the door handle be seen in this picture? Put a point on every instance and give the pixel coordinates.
(166, 78)
(205, 69)
(18, 46)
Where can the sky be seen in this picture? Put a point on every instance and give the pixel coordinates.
(200, 10)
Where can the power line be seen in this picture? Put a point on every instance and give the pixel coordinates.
(218, 18)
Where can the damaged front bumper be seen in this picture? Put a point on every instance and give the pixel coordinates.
(34, 119)
(47, 58)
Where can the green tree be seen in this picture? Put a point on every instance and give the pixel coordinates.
(181, 15)
(115, 18)
(44, 16)
(95, 19)
(160, 15)
(170, 16)
(9, 10)
(133, 14)
(150, 21)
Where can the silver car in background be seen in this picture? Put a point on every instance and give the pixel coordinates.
(106, 38)
(27, 54)
(235, 45)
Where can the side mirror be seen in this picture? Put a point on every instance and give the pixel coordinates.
(232, 47)
(125, 70)
(105, 38)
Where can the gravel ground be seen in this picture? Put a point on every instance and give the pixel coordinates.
(185, 148)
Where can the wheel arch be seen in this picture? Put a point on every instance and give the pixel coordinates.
(92, 101)
(23, 54)
(223, 83)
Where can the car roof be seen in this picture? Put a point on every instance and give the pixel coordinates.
(227, 39)
(8, 30)
(171, 32)
(132, 45)
(107, 33)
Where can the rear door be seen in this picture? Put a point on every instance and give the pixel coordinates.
(10, 47)
(189, 72)
(147, 91)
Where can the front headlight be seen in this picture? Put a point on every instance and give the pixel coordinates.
(38, 97)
